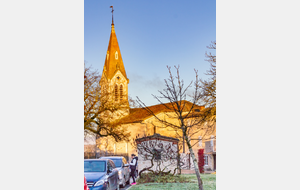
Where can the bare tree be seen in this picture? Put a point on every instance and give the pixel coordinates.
(208, 87)
(162, 155)
(132, 103)
(99, 109)
(190, 121)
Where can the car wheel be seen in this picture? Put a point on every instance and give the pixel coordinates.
(128, 182)
(123, 182)
(118, 186)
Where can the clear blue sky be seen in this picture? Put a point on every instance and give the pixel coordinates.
(151, 35)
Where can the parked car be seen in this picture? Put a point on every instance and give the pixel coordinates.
(85, 184)
(101, 174)
(123, 169)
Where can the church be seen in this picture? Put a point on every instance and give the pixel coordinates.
(138, 120)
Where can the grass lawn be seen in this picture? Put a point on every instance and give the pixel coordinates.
(209, 181)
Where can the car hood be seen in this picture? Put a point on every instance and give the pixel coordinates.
(93, 176)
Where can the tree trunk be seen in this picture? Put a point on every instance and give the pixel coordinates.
(200, 184)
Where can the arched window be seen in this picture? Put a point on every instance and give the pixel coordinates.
(116, 55)
(121, 93)
(116, 92)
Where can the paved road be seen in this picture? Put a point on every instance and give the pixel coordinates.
(127, 186)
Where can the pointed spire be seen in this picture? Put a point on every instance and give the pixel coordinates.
(113, 59)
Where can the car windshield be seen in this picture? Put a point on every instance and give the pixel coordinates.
(118, 162)
(94, 166)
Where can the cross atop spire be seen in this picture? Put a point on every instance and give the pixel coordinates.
(112, 14)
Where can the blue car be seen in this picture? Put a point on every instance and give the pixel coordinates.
(101, 174)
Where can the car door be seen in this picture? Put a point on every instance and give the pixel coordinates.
(114, 175)
(126, 169)
(110, 175)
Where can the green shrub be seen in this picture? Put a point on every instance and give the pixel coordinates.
(165, 178)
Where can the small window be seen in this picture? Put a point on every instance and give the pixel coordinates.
(205, 160)
(121, 93)
(116, 55)
(116, 93)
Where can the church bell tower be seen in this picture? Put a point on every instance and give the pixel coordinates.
(114, 78)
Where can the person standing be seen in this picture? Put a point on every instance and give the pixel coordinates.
(133, 164)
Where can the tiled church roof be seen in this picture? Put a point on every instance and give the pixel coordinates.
(137, 115)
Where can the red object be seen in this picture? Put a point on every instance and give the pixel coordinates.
(85, 185)
(201, 160)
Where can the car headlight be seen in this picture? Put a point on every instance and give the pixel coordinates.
(100, 182)
(120, 174)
